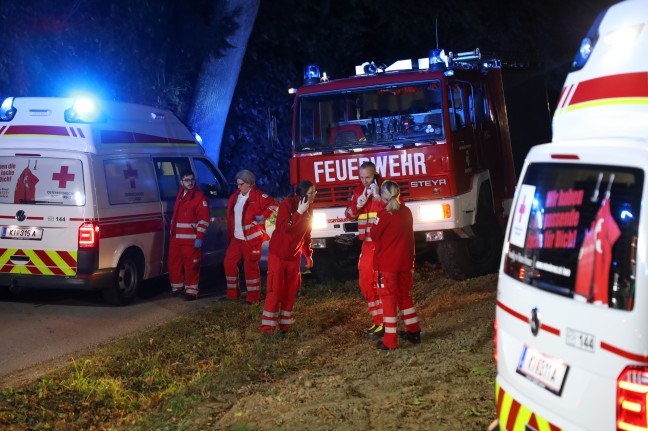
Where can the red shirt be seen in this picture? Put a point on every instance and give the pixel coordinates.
(393, 235)
(292, 234)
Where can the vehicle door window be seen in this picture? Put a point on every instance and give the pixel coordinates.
(169, 171)
(130, 181)
(209, 180)
(460, 105)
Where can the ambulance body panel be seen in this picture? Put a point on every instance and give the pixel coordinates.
(572, 309)
(88, 205)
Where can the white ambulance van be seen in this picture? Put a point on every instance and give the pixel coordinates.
(571, 328)
(87, 193)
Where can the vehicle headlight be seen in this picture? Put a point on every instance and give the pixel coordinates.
(319, 220)
(434, 212)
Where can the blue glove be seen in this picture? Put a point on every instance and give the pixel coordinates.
(198, 243)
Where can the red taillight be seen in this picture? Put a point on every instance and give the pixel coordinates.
(632, 393)
(495, 341)
(88, 235)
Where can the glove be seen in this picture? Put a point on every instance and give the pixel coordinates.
(373, 188)
(303, 206)
(362, 200)
(198, 243)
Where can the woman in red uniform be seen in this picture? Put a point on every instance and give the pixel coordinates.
(393, 235)
(290, 239)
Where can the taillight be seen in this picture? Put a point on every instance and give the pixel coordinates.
(632, 391)
(495, 341)
(88, 235)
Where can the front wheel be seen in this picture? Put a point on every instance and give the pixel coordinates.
(472, 257)
(126, 281)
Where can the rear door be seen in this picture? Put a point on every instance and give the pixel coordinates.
(42, 204)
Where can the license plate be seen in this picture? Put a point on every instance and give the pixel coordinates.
(21, 233)
(544, 370)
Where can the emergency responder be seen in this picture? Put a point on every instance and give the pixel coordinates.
(188, 226)
(247, 211)
(290, 239)
(393, 236)
(364, 205)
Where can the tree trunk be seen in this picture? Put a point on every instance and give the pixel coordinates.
(219, 76)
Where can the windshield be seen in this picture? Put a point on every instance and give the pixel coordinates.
(574, 232)
(377, 116)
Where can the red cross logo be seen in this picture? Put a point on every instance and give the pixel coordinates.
(130, 173)
(63, 177)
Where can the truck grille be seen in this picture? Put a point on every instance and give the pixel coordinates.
(340, 195)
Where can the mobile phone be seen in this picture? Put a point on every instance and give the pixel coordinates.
(303, 199)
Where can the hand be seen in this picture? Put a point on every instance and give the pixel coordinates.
(373, 188)
(198, 243)
(309, 262)
(303, 206)
(362, 200)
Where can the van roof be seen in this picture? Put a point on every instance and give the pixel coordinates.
(51, 123)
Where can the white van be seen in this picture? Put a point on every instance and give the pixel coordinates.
(571, 327)
(87, 194)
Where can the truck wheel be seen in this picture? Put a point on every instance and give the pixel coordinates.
(126, 281)
(331, 264)
(472, 257)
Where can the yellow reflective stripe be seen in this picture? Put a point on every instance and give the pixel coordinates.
(362, 216)
(605, 102)
(38, 263)
(506, 408)
(6, 255)
(60, 263)
(523, 415)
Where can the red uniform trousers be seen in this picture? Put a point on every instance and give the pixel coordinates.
(284, 280)
(251, 254)
(184, 267)
(394, 290)
(367, 282)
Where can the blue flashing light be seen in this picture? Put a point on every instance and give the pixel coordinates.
(437, 59)
(311, 74)
(198, 137)
(625, 214)
(7, 110)
(84, 110)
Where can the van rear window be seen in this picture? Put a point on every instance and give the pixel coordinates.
(41, 180)
(574, 232)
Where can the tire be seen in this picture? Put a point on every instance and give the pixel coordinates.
(472, 257)
(126, 281)
(335, 263)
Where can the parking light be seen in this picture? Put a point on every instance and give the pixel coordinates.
(434, 212)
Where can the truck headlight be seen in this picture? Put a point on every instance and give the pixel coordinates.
(434, 212)
(319, 220)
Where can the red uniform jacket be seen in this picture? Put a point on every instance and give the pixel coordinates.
(258, 204)
(292, 234)
(25, 187)
(393, 235)
(366, 216)
(190, 217)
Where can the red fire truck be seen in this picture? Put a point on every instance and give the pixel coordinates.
(437, 126)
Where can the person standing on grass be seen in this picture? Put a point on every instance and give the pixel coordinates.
(364, 206)
(247, 210)
(188, 226)
(393, 236)
(290, 239)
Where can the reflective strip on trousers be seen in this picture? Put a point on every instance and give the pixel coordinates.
(185, 236)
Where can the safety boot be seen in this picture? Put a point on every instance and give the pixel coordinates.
(412, 337)
(378, 332)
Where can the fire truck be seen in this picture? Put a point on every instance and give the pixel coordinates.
(437, 126)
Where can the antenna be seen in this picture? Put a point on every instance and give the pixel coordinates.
(436, 30)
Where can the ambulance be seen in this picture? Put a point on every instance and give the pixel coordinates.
(571, 327)
(87, 193)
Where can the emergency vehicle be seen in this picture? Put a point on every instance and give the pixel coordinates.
(571, 316)
(87, 193)
(438, 127)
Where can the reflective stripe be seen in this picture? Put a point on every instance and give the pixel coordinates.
(231, 278)
(270, 314)
(254, 235)
(390, 329)
(177, 285)
(286, 321)
(185, 236)
(374, 303)
(414, 319)
(253, 288)
(268, 322)
(376, 312)
(201, 229)
(249, 226)
(186, 225)
(408, 311)
(390, 319)
(254, 281)
(514, 416)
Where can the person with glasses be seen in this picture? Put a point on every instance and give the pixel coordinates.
(188, 226)
(247, 210)
(393, 236)
(364, 206)
(290, 239)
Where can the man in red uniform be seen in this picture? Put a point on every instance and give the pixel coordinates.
(247, 210)
(188, 226)
(290, 239)
(364, 206)
(393, 236)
